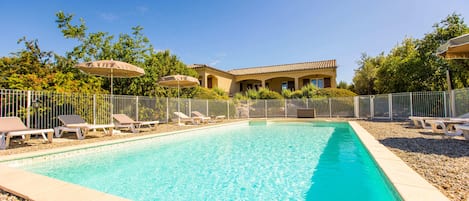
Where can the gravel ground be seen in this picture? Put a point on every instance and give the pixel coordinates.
(442, 162)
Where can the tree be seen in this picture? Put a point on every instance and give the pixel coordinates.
(134, 49)
(365, 76)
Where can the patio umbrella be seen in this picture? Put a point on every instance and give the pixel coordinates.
(110, 68)
(455, 48)
(178, 81)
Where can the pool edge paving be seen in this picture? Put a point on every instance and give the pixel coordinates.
(409, 184)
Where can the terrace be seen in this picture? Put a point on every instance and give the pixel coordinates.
(440, 161)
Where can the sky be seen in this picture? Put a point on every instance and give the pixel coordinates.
(232, 34)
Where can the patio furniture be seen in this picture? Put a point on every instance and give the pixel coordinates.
(124, 121)
(421, 122)
(183, 118)
(464, 129)
(448, 126)
(306, 113)
(206, 119)
(76, 124)
(13, 126)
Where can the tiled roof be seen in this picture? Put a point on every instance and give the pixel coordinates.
(275, 68)
(285, 67)
(194, 66)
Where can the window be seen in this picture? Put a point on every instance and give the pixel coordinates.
(319, 83)
(209, 82)
(284, 85)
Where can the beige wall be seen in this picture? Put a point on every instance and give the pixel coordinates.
(230, 83)
(221, 80)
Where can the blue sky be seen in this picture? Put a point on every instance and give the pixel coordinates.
(238, 33)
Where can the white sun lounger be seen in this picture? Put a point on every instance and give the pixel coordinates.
(206, 119)
(124, 121)
(76, 124)
(13, 126)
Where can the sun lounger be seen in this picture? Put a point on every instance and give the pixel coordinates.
(124, 121)
(76, 124)
(464, 129)
(183, 118)
(448, 126)
(13, 126)
(206, 119)
(421, 122)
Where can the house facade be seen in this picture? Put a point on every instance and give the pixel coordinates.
(294, 76)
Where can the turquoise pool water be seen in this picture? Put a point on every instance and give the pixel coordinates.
(261, 161)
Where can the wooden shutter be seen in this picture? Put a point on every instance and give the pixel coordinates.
(327, 82)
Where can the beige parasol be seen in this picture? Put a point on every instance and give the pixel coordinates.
(455, 48)
(110, 68)
(178, 81)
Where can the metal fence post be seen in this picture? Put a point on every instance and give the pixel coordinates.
(206, 107)
(265, 108)
(390, 105)
(453, 103)
(167, 110)
(330, 108)
(372, 107)
(28, 109)
(356, 106)
(228, 109)
(286, 109)
(444, 103)
(94, 109)
(190, 108)
(249, 107)
(411, 105)
(307, 103)
(136, 108)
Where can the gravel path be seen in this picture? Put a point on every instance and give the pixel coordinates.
(442, 162)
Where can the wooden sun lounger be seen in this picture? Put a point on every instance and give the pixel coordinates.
(185, 119)
(206, 119)
(13, 126)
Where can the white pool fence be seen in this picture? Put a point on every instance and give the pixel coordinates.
(39, 109)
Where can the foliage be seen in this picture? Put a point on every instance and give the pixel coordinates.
(132, 48)
(34, 69)
(215, 93)
(343, 85)
(333, 92)
(412, 65)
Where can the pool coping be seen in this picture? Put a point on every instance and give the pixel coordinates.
(37, 187)
(409, 184)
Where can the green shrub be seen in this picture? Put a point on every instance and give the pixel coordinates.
(333, 92)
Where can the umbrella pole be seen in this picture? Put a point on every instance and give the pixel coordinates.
(112, 99)
(179, 118)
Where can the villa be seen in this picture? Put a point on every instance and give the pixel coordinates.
(293, 76)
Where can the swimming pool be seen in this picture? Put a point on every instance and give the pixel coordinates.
(257, 161)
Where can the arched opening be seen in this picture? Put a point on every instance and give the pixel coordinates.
(280, 83)
(212, 82)
(245, 85)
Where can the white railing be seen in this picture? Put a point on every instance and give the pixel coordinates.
(39, 109)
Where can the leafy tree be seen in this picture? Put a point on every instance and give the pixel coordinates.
(132, 48)
(413, 65)
(343, 85)
(366, 74)
(34, 69)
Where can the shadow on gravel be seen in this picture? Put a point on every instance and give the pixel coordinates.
(453, 148)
